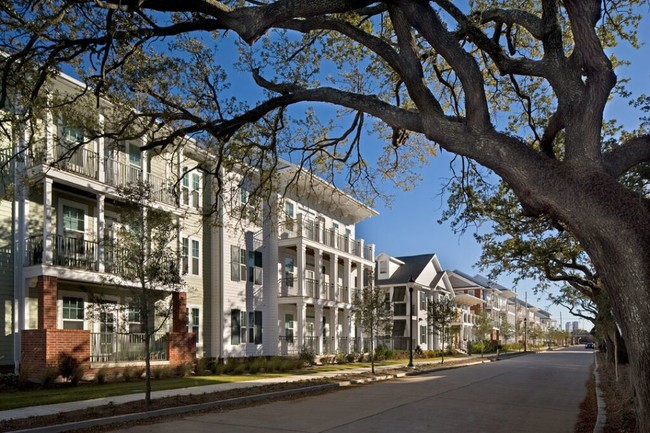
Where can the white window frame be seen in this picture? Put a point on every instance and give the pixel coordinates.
(59, 306)
(73, 204)
(190, 326)
(190, 257)
(118, 314)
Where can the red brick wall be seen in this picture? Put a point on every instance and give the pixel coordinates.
(47, 294)
(179, 312)
(43, 348)
(182, 347)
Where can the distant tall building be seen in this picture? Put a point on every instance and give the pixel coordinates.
(567, 326)
(576, 325)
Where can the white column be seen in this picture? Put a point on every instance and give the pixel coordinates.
(334, 328)
(301, 319)
(47, 221)
(49, 132)
(301, 261)
(101, 172)
(334, 272)
(345, 331)
(143, 159)
(318, 324)
(21, 229)
(100, 232)
(347, 269)
(271, 335)
(318, 264)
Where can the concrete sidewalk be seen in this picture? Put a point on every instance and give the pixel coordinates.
(53, 409)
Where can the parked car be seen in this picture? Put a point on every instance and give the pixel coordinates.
(589, 345)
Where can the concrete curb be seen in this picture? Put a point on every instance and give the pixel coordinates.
(179, 410)
(601, 419)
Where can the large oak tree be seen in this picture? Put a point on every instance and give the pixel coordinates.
(519, 88)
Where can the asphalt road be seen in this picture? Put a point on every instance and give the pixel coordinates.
(534, 393)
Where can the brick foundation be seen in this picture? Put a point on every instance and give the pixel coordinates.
(43, 348)
(47, 288)
(182, 347)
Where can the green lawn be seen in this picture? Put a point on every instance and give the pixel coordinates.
(89, 391)
(12, 400)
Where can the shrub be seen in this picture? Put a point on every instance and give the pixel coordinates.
(100, 377)
(49, 377)
(341, 358)
(350, 357)
(67, 367)
(273, 364)
(77, 375)
(257, 365)
(184, 369)
(231, 365)
(128, 374)
(161, 372)
(307, 356)
(217, 368)
(202, 366)
(240, 368)
(380, 352)
(8, 380)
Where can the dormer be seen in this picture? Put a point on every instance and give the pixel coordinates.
(386, 266)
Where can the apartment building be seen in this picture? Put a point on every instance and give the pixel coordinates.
(493, 297)
(290, 271)
(264, 273)
(61, 198)
(416, 280)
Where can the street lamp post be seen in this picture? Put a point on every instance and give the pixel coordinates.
(410, 286)
(526, 333)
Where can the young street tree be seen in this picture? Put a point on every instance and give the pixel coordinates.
(506, 329)
(440, 314)
(373, 312)
(519, 89)
(142, 254)
(483, 329)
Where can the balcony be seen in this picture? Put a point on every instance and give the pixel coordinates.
(69, 252)
(288, 287)
(85, 162)
(113, 347)
(316, 231)
(75, 253)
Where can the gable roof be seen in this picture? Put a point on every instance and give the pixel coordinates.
(412, 268)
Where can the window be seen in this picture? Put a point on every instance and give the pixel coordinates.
(185, 255)
(288, 327)
(423, 300)
(399, 301)
(257, 327)
(72, 242)
(235, 327)
(71, 147)
(423, 334)
(383, 266)
(288, 271)
(73, 219)
(185, 188)
(288, 209)
(238, 264)
(196, 188)
(195, 257)
(193, 323)
(73, 313)
(399, 326)
(135, 155)
(257, 267)
(135, 320)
